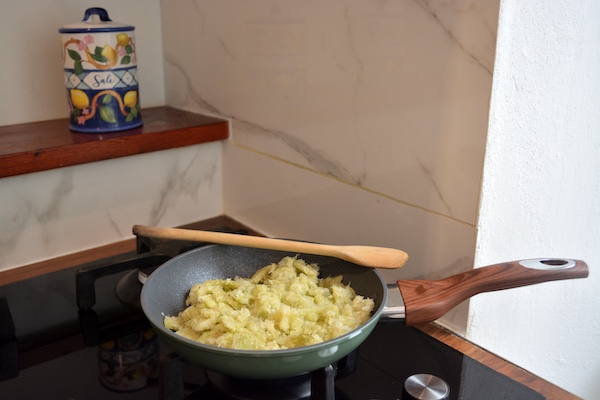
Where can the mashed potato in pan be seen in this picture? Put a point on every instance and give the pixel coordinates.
(281, 306)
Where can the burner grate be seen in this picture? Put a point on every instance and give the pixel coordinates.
(315, 385)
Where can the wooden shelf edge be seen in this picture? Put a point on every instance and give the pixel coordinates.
(46, 145)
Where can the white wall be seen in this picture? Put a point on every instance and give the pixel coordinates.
(541, 190)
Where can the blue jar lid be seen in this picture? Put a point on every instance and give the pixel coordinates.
(96, 19)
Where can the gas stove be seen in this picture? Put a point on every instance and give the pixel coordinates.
(79, 333)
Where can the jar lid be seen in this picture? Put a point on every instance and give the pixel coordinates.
(96, 19)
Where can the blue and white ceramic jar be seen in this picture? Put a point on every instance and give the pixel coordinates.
(101, 78)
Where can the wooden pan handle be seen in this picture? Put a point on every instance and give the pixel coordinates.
(426, 301)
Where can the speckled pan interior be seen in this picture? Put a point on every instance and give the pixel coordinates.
(165, 291)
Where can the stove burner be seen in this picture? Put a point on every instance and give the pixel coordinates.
(294, 388)
(316, 385)
(130, 286)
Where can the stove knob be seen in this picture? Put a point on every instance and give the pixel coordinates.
(426, 387)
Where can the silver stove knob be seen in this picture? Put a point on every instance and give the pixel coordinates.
(426, 387)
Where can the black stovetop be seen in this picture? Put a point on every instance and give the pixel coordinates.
(51, 351)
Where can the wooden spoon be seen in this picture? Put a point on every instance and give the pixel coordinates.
(367, 256)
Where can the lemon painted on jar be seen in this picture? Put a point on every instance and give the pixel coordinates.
(79, 99)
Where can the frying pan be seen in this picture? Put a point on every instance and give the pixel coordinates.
(166, 289)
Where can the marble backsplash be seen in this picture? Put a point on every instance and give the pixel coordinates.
(61, 211)
(352, 121)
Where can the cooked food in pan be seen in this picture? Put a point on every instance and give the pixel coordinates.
(282, 306)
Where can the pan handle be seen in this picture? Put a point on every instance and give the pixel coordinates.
(426, 300)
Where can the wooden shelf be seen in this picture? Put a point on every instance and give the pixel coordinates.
(45, 145)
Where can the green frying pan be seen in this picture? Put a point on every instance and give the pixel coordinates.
(166, 289)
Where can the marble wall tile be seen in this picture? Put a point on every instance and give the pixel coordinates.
(295, 203)
(352, 121)
(61, 211)
(389, 96)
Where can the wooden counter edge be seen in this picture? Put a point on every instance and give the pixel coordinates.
(105, 251)
(499, 364)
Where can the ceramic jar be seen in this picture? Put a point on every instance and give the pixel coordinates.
(101, 77)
